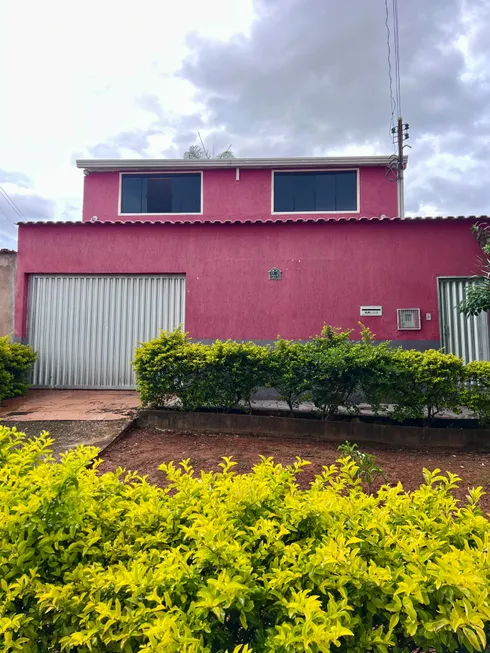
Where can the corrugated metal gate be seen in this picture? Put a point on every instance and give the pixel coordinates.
(85, 327)
(467, 337)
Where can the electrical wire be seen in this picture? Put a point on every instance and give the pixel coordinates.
(10, 201)
(11, 225)
(396, 42)
(392, 171)
(390, 74)
(5, 216)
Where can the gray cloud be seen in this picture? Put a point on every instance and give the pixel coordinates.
(313, 77)
(17, 178)
(8, 236)
(72, 211)
(32, 207)
(151, 103)
(136, 141)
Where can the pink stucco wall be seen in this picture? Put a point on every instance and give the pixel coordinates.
(225, 198)
(329, 270)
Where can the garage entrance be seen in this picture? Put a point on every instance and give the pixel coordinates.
(467, 337)
(85, 327)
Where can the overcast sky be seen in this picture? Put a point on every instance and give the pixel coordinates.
(272, 77)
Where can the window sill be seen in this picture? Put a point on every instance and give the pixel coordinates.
(129, 215)
(347, 211)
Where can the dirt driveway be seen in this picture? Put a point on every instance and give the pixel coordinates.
(144, 449)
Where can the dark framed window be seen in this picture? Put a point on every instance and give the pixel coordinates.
(315, 191)
(161, 193)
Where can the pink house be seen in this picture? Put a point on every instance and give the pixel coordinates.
(242, 249)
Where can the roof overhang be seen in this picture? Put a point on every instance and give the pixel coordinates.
(274, 220)
(111, 165)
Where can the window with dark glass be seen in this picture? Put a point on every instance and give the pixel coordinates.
(162, 193)
(315, 191)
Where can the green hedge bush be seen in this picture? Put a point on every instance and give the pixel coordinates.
(425, 383)
(476, 394)
(168, 367)
(338, 369)
(235, 371)
(331, 370)
(15, 362)
(218, 562)
(288, 371)
(218, 376)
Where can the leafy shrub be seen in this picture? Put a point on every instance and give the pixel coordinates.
(220, 562)
(425, 383)
(330, 370)
(338, 369)
(15, 363)
(168, 367)
(220, 375)
(379, 368)
(235, 371)
(288, 370)
(332, 377)
(476, 395)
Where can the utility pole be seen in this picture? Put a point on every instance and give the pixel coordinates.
(401, 131)
(401, 194)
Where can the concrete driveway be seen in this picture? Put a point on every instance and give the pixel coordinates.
(72, 417)
(70, 405)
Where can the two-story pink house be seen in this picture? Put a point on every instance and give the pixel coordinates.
(246, 249)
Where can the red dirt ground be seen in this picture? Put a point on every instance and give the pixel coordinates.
(143, 450)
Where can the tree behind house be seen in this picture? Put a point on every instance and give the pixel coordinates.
(200, 152)
(477, 295)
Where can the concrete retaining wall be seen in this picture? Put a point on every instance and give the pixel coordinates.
(7, 285)
(294, 428)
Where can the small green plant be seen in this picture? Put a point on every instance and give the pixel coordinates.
(368, 470)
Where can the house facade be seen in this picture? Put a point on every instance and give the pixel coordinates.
(246, 249)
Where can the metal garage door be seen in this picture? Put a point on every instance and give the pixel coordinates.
(85, 327)
(467, 337)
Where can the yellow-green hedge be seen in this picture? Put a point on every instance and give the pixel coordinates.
(221, 562)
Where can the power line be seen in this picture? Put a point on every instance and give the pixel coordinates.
(390, 75)
(395, 170)
(396, 42)
(12, 203)
(7, 219)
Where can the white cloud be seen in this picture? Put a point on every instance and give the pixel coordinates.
(73, 74)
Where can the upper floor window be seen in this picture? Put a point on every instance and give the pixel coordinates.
(315, 191)
(161, 193)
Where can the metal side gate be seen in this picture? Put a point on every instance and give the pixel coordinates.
(85, 327)
(467, 337)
